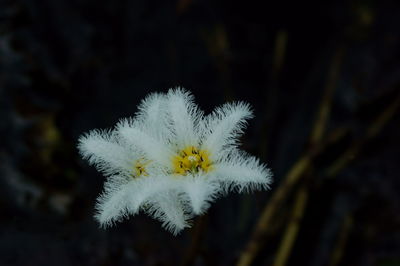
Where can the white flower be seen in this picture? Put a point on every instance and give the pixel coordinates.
(199, 153)
(172, 161)
(133, 182)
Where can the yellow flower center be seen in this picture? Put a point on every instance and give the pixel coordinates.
(191, 160)
(139, 168)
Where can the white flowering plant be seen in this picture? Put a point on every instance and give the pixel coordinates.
(171, 161)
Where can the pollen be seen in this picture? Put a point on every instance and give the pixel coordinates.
(139, 168)
(191, 160)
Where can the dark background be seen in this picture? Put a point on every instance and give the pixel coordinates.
(323, 79)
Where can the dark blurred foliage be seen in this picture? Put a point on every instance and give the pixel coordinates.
(70, 66)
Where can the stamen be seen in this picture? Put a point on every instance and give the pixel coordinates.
(191, 160)
(139, 168)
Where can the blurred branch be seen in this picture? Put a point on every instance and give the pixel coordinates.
(269, 119)
(338, 250)
(293, 227)
(182, 6)
(279, 52)
(316, 137)
(325, 106)
(372, 131)
(297, 171)
(276, 201)
(218, 46)
(272, 89)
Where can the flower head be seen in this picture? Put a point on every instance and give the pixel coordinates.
(171, 160)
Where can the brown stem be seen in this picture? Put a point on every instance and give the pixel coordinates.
(293, 227)
(197, 232)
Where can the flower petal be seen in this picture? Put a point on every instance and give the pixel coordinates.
(152, 148)
(223, 127)
(167, 208)
(184, 117)
(102, 149)
(242, 172)
(112, 203)
(151, 116)
(198, 191)
(144, 188)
